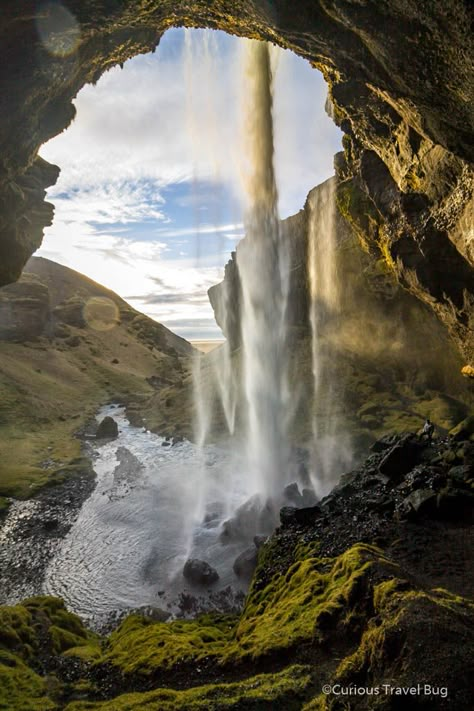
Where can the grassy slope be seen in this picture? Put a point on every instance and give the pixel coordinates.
(49, 389)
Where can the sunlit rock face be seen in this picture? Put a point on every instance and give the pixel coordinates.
(400, 87)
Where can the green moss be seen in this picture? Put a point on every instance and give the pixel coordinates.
(140, 646)
(263, 692)
(313, 594)
(317, 704)
(38, 626)
(358, 209)
(21, 689)
(301, 605)
(41, 623)
(85, 652)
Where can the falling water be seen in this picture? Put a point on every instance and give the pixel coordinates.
(329, 447)
(214, 378)
(263, 265)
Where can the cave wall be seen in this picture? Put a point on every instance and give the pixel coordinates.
(400, 86)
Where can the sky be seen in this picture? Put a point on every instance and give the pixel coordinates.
(149, 201)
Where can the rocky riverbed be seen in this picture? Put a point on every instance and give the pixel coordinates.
(32, 531)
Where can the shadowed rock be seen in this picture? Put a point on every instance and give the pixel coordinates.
(107, 429)
(199, 572)
(245, 564)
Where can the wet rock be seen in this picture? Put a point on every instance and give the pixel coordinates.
(214, 513)
(309, 498)
(402, 457)
(245, 564)
(291, 516)
(456, 504)
(199, 572)
(107, 429)
(254, 516)
(292, 493)
(259, 541)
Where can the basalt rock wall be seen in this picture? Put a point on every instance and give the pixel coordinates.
(400, 86)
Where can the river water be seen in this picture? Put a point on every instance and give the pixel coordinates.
(151, 509)
(144, 519)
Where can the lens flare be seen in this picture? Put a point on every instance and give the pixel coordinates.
(58, 29)
(101, 313)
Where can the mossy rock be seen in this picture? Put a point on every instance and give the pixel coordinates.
(39, 627)
(314, 595)
(265, 692)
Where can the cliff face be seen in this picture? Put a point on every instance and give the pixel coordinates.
(386, 361)
(400, 84)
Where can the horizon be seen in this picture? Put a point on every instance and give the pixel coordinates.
(149, 200)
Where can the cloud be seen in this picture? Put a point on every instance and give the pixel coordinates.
(155, 147)
(169, 117)
(200, 230)
(173, 298)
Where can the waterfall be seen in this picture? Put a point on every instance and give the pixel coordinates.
(263, 264)
(330, 448)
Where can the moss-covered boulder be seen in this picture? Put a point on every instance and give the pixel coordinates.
(33, 634)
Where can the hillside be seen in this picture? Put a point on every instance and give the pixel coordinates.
(68, 345)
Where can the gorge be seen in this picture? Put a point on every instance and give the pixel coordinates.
(346, 326)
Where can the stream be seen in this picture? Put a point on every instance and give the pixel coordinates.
(153, 506)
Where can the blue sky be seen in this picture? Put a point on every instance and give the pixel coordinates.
(149, 201)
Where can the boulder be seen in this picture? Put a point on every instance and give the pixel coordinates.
(214, 514)
(419, 502)
(24, 310)
(292, 493)
(245, 564)
(107, 429)
(71, 312)
(252, 517)
(381, 445)
(402, 457)
(199, 572)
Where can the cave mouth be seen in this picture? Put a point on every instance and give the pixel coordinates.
(149, 199)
